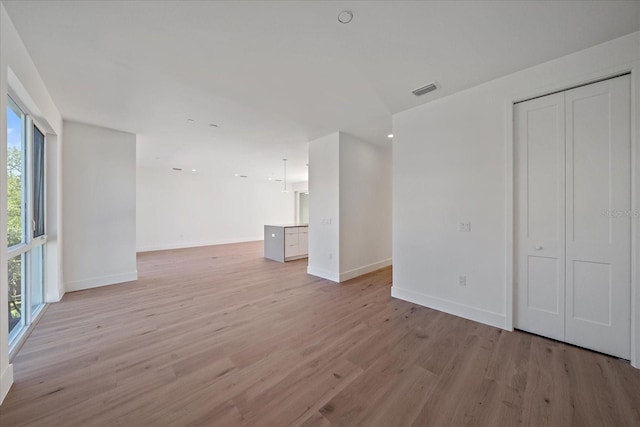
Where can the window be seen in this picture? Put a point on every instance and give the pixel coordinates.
(26, 228)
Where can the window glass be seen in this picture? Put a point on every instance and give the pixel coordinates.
(16, 154)
(37, 277)
(16, 287)
(38, 182)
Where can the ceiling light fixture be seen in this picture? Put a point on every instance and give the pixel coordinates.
(284, 188)
(193, 170)
(425, 89)
(177, 169)
(213, 125)
(390, 135)
(345, 17)
(190, 121)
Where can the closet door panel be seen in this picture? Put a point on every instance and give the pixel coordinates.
(598, 224)
(540, 216)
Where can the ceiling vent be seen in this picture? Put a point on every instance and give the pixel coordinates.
(425, 89)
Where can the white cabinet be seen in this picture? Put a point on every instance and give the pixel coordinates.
(303, 240)
(296, 242)
(285, 243)
(291, 242)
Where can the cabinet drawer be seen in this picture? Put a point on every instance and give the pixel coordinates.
(291, 249)
(290, 239)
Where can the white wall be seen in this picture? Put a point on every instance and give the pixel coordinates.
(365, 207)
(324, 207)
(349, 207)
(19, 74)
(300, 186)
(99, 206)
(178, 209)
(452, 162)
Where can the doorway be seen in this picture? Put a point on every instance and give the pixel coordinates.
(302, 211)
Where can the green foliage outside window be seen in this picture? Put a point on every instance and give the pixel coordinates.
(14, 196)
(14, 232)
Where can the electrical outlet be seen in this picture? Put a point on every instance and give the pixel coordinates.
(462, 280)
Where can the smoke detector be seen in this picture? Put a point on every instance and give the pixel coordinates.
(345, 17)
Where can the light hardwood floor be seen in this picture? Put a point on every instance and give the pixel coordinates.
(219, 336)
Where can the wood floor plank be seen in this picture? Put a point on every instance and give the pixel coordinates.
(220, 336)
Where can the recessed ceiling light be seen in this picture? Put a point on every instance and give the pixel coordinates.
(213, 125)
(236, 174)
(190, 121)
(193, 170)
(345, 17)
(270, 178)
(390, 135)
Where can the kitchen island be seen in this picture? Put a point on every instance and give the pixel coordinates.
(286, 242)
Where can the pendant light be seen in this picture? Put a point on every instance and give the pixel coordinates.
(284, 189)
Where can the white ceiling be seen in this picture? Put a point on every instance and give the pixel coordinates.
(275, 74)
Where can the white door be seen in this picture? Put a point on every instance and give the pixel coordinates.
(574, 216)
(540, 217)
(598, 283)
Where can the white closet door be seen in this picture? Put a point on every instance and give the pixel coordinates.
(598, 243)
(540, 217)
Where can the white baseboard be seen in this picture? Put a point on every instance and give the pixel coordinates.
(6, 380)
(325, 274)
(347, 275)
(95, 282)
(472, 313)
(168, 246)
